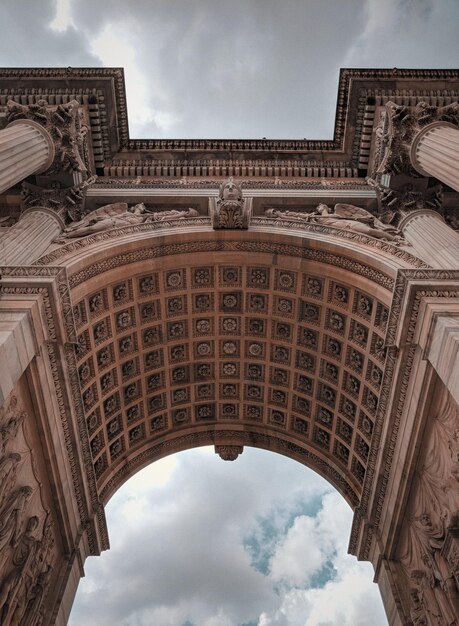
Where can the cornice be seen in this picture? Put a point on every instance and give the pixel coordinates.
(349, 77)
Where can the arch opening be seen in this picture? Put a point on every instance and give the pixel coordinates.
(198, 541)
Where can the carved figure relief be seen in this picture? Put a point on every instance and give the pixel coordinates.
(173, 214)
(434, 508)
(26, 558)
(230, 211)
(118, 215)
(345, 217)
(114, 215)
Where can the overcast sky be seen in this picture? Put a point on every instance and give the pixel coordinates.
(261, 541)
(196, 541)
(231, 68)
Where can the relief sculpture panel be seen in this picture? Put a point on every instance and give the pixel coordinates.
(27, 528)
(429, 540)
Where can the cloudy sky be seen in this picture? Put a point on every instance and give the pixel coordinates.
(231, 68)
(196, 541)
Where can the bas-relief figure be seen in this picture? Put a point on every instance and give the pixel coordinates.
(25, 552)
(119, 215)
(345, 217)
(434, 510)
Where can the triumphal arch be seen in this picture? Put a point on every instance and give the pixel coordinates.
(297, 296)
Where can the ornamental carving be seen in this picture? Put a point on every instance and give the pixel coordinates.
(65, 126)
(27, 539)
(395, 204)
(429, 540)
(67, 201)
(343, 217)
(229, 453)
(230, 211)
(401, 126)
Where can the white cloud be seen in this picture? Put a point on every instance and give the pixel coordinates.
(179, 545)
(62, 19)
(347, 599)
(299, 555)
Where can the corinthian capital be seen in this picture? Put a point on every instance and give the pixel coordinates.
(395, 204)
(68, 202)
(401, 125)
(65, 125)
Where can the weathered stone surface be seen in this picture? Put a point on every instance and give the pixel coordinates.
(140, 316)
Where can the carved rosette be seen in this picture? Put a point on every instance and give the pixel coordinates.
(401, 125)
(229, 453)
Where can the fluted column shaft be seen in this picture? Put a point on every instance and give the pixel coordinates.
(435, 152)
(25, 148)
(432, 239)
(27, 240)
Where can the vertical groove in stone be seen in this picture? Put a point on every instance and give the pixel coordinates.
(27, 240)
(432, 239)
(435, 152)
(25, 148)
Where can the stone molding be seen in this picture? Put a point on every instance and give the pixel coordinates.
(412, 289)
(50, 283)
(337, 260)
(271, 441)
(279, 225)
(185, 184)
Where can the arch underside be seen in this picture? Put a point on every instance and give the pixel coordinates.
(230, 347)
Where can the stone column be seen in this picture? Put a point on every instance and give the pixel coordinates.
(435, 152)
(27, 240)
(25, 148)
(432, 239)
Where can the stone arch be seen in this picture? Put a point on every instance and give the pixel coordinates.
(275, 340)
